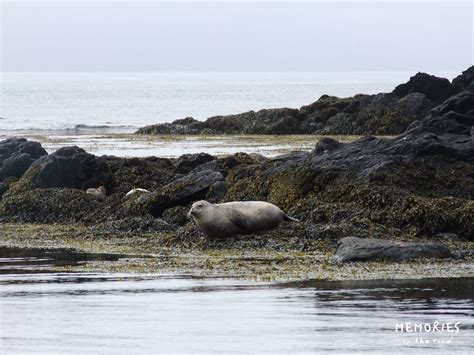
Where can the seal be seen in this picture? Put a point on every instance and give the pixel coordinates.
(99, 192)
(241, 217)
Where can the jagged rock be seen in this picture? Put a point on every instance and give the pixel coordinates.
(16, 156)
(367, 249)
(461, 82)
(436, 89)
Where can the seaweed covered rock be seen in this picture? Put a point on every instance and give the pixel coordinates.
(381, 114)
(129, 173)
(16, 156)
(419, 184)
(58, 205)
(367, 249)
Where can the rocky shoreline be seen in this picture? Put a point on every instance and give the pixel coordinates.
(380, 114)
(417, 187)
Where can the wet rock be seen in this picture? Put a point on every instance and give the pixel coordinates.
(16, 156)
(367, 249)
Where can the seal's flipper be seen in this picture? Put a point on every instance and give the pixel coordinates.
(239, 221)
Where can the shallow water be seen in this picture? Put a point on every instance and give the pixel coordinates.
(128, 145)
(148, 313)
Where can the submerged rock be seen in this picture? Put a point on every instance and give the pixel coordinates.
(367, 249)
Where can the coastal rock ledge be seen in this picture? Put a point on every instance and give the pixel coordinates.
(417, 186)
(380, 114)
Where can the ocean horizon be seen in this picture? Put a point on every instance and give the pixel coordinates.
(121, 102)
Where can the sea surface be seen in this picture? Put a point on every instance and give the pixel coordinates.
(44, 312)
(98, 111)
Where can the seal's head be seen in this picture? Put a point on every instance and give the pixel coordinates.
(198, 208)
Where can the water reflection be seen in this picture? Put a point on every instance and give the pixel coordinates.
(148, 313)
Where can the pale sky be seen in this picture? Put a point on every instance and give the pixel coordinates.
(247, 35)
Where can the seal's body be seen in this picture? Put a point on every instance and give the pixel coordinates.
(231, 218)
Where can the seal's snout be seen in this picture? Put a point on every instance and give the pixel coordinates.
(189, 214)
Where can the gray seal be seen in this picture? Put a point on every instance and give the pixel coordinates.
(242, 217)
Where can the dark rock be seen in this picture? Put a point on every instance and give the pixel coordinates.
(436, 89)
(69, 167)
(327, 145)
(180, 192)
(148, 173)
(176, 216)
(188, 162)
(367, 249)
(381, 114)
(463, 81)
(16, 156)
(217, 191)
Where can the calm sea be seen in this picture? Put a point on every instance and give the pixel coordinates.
(125, 101)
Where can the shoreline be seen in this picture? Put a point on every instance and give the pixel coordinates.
(161, 253)
(172, 146)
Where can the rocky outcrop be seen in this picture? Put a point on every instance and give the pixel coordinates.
(188, 162)
(16, 156)
(434, 88)
(69, 167)
(461, 82)
(381, 114)
(419, 184)
(368, 249)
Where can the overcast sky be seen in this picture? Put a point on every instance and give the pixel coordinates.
(236, 36)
